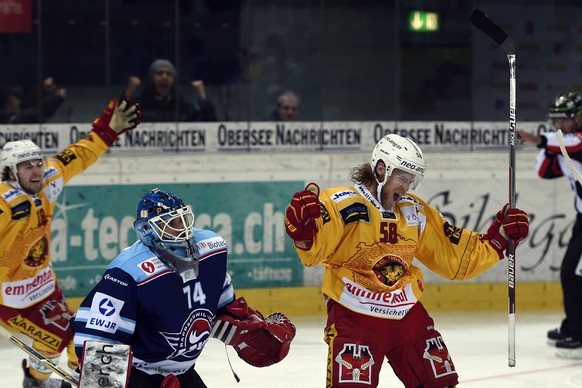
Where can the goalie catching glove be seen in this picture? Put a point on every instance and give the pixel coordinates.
(508, 224)
(258, 341)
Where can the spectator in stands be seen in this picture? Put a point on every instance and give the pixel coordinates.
(15, 108)
(288, 105)
(160, 100)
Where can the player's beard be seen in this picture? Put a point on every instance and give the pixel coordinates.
(32, 187)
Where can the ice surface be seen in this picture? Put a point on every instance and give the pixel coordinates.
(477, 342)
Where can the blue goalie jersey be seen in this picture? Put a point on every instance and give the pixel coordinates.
(165, 316)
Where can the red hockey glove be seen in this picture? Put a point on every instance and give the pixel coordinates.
(170, 381)
(116, 119)
(258, 341)
(508, 224)
(302, 212)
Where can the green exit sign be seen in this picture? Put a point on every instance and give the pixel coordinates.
(422, 21)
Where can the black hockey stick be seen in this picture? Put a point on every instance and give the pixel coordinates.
(480, 20)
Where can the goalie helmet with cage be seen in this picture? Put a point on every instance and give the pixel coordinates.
(566, 106)
(165, 225)
(398, 152)
(16, 152)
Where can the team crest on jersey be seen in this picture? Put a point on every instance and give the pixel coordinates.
(190, 341)
(37, 253)
(355, 212)
(453, 233)
(438, 356)
(390, 269)
(355, 364)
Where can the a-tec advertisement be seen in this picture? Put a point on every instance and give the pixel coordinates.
(92, 224)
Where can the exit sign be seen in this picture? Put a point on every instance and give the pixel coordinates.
(422, 21)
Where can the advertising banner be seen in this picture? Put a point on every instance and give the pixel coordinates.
(15, 16)
(92, 224)
(331, 136)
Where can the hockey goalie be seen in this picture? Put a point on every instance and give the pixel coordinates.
(165, 297)
(259, 341)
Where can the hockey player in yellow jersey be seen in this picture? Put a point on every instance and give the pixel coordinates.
(31, 301)
(366, 237)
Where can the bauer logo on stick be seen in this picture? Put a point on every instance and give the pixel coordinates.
(480, 20)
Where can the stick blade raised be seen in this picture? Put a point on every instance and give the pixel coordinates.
(480, 20)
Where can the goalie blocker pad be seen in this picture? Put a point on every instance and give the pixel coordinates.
(105, 365)
(258, 341)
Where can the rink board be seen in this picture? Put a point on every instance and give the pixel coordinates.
(444, 297)
(243, 198)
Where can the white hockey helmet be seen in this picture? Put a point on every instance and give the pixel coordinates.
(15, 152)
(401, 153)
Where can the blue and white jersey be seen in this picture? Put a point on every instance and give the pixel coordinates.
(165, 316)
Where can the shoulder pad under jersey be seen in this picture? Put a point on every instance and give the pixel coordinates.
(209, 243)
(139, 262)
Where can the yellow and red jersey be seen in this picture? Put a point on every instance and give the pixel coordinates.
(25, 267)
(368, 251)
